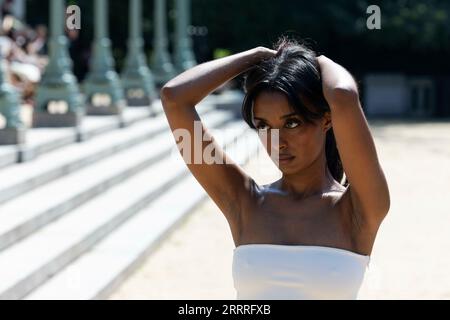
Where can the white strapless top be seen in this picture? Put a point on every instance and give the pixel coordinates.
(297, 272)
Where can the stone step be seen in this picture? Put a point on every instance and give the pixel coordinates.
(95, 274)
(26, 214)
(8, 155)
(42, 140)
(32, 261)
(20, 178)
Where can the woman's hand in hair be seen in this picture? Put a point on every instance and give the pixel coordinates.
(264, 53)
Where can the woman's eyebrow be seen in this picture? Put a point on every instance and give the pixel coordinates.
(282, 117)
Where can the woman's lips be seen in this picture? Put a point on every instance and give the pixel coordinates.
(285, 159)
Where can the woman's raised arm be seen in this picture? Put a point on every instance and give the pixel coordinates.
(225, 182)
(368, 187)
(190, 87)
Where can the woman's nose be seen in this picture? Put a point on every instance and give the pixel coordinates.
(278, 140)
(282, 139)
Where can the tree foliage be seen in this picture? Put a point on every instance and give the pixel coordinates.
(414, 35)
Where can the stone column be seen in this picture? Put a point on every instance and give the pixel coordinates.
(184, 55)
(58, 100)
(102, 87)
(136, 77)
(162, 67)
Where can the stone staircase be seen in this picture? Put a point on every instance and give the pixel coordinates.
(77, 218)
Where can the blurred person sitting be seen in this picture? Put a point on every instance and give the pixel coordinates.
(24, 70)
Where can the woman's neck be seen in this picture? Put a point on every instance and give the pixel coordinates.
(316, 179)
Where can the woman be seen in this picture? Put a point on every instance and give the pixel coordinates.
(310, 234)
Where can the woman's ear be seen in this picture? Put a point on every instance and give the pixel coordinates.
(327, 123)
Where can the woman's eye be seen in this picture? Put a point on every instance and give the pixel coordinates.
(262, 126)
(292, 124)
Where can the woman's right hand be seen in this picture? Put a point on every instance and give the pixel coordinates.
(264, 53)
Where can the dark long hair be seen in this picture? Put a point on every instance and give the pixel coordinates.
(294, 71)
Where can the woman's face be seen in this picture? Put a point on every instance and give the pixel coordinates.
(300, 143)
